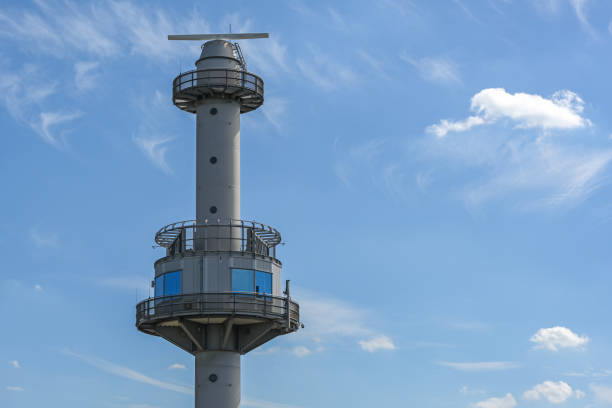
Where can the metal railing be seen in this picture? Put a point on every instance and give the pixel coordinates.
(191, 86)
(222, 303)
(219, 236)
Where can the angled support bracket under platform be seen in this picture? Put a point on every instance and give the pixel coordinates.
(260, 330)
(229, 323)
(192, 330)
(176, 336)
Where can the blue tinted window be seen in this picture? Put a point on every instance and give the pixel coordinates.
(263, 282)
(242, 280)
(159, 286)
(172, 283)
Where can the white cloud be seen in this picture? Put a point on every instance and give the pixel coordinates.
(558, 337)
(128, 373)
(553, 392)
(445, 126)
(85, 77)
(376, 64)
(265, 350)
(38, 288)
(53, 119)
(155, 148)
(126, 282)
(325, 71)
(602, 393)
(579, 9)
(301, 351)
(329, 320)
(405, 8)
(465, 390)
(14, 388)
(561, 111)
(43, 239)
(377, 343)
(15, 363)
(505, 402)
(480, 365)
(552, 168)
(177, 366)
(103, 32)
(274, 109)
(255, 403)
(440, 70)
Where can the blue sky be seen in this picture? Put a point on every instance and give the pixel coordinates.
(440, 172)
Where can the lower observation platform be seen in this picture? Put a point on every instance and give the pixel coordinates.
(254, 318)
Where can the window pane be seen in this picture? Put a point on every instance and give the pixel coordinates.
(242, 280)
(172, 283)
(263, 282)
(159, 286)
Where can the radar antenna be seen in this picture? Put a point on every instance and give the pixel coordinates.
(206, 37)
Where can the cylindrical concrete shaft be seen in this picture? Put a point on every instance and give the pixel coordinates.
(218, 160)
(217, 379)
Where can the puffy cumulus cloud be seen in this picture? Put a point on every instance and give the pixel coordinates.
(554, 338)
(504, 402)
(553, 392)
(562, 111)
(377, 343)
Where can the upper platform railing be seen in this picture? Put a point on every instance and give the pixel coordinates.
(247, 237)
(190, 87)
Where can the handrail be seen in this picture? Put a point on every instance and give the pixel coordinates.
(218, 303)
(219, 235)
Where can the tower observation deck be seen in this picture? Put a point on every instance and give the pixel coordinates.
(218, 291)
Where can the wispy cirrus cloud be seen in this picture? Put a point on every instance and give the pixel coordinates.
(150, 137)
(177, 366)
(325, 71)
(331, 320)
(14, 388)
(48, 121)
(128, 373)
(155, 148)
(580, 10)
(442, 70)
(256, 403)
(85, 75)
(479, 365)
(44, 239)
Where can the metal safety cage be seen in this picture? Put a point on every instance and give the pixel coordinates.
(190, 87)
(249, 237)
